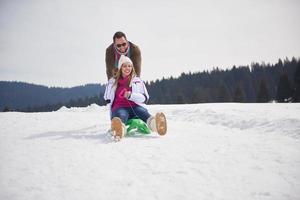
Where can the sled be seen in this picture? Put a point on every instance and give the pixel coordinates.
(133, 127)
(137, 126)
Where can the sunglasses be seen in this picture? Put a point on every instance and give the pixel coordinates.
(123, 44)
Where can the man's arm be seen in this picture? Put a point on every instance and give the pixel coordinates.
(137, 60)
(109, 60)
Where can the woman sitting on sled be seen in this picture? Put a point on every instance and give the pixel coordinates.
(127, 94)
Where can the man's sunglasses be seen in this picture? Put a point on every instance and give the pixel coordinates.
(119, 45)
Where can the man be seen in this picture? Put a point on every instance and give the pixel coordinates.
(121, 46)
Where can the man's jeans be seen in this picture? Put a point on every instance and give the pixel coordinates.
(128, 113)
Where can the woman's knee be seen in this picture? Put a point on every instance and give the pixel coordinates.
(142, 113)
(122, 114)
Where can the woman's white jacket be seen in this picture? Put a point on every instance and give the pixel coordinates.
(139, 93)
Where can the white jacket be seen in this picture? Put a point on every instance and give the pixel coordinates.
(139, 93)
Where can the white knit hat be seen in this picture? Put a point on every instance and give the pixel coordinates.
(124, 59)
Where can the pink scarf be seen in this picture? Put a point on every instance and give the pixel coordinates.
(120, 101)
(118, 54)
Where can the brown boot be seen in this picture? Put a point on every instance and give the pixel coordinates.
(118, 128)
(158, 123)
(161, 123)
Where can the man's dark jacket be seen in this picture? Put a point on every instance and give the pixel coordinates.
(134, 55)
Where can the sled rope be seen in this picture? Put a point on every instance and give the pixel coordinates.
(133, 109)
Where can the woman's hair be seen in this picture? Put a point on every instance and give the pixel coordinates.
(119, 75)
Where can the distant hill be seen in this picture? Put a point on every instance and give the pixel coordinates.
(263, 82)
(20, 95)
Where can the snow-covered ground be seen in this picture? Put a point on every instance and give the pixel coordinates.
(211, 151)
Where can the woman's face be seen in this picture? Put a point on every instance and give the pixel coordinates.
(126, 69)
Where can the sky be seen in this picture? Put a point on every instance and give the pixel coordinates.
(62, 43)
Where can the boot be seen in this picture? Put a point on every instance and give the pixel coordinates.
(158, 123)
(118, 128)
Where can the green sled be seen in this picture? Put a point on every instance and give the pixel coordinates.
(135, 126)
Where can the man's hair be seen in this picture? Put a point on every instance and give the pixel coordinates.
(119, 34)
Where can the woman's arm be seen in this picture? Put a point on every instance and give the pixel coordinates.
(137, 97)
(108, 90)
(139, 92)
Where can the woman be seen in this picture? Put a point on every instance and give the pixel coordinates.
(127, 94)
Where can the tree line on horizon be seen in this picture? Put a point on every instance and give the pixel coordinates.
(257, 83)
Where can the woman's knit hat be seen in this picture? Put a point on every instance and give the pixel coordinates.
(124, 59)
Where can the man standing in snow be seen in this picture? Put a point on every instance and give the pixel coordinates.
(121, 46)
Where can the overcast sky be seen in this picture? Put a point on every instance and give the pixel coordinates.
(62, 43)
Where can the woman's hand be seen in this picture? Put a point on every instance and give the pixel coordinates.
(127, 94)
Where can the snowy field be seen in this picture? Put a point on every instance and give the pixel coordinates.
(211, 151)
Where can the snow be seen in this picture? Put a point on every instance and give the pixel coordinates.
(211, 151)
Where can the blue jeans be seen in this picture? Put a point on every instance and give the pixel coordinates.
(128, 113)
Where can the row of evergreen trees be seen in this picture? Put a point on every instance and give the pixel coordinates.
(258, 83)
(278, 82)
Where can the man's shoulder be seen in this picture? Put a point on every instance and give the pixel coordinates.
(134, 47)
(109, 48)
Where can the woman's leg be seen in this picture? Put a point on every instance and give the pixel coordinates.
(158, 123)
(122, 113)
(141, 113)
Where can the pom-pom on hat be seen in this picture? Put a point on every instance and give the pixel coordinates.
(124, 59)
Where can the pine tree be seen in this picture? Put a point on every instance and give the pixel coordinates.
(284, 91)
(297, 84)
(223, 93)
(6, 109)
(263, 93)
(180, 98)
(239, 95)
(200, 95)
